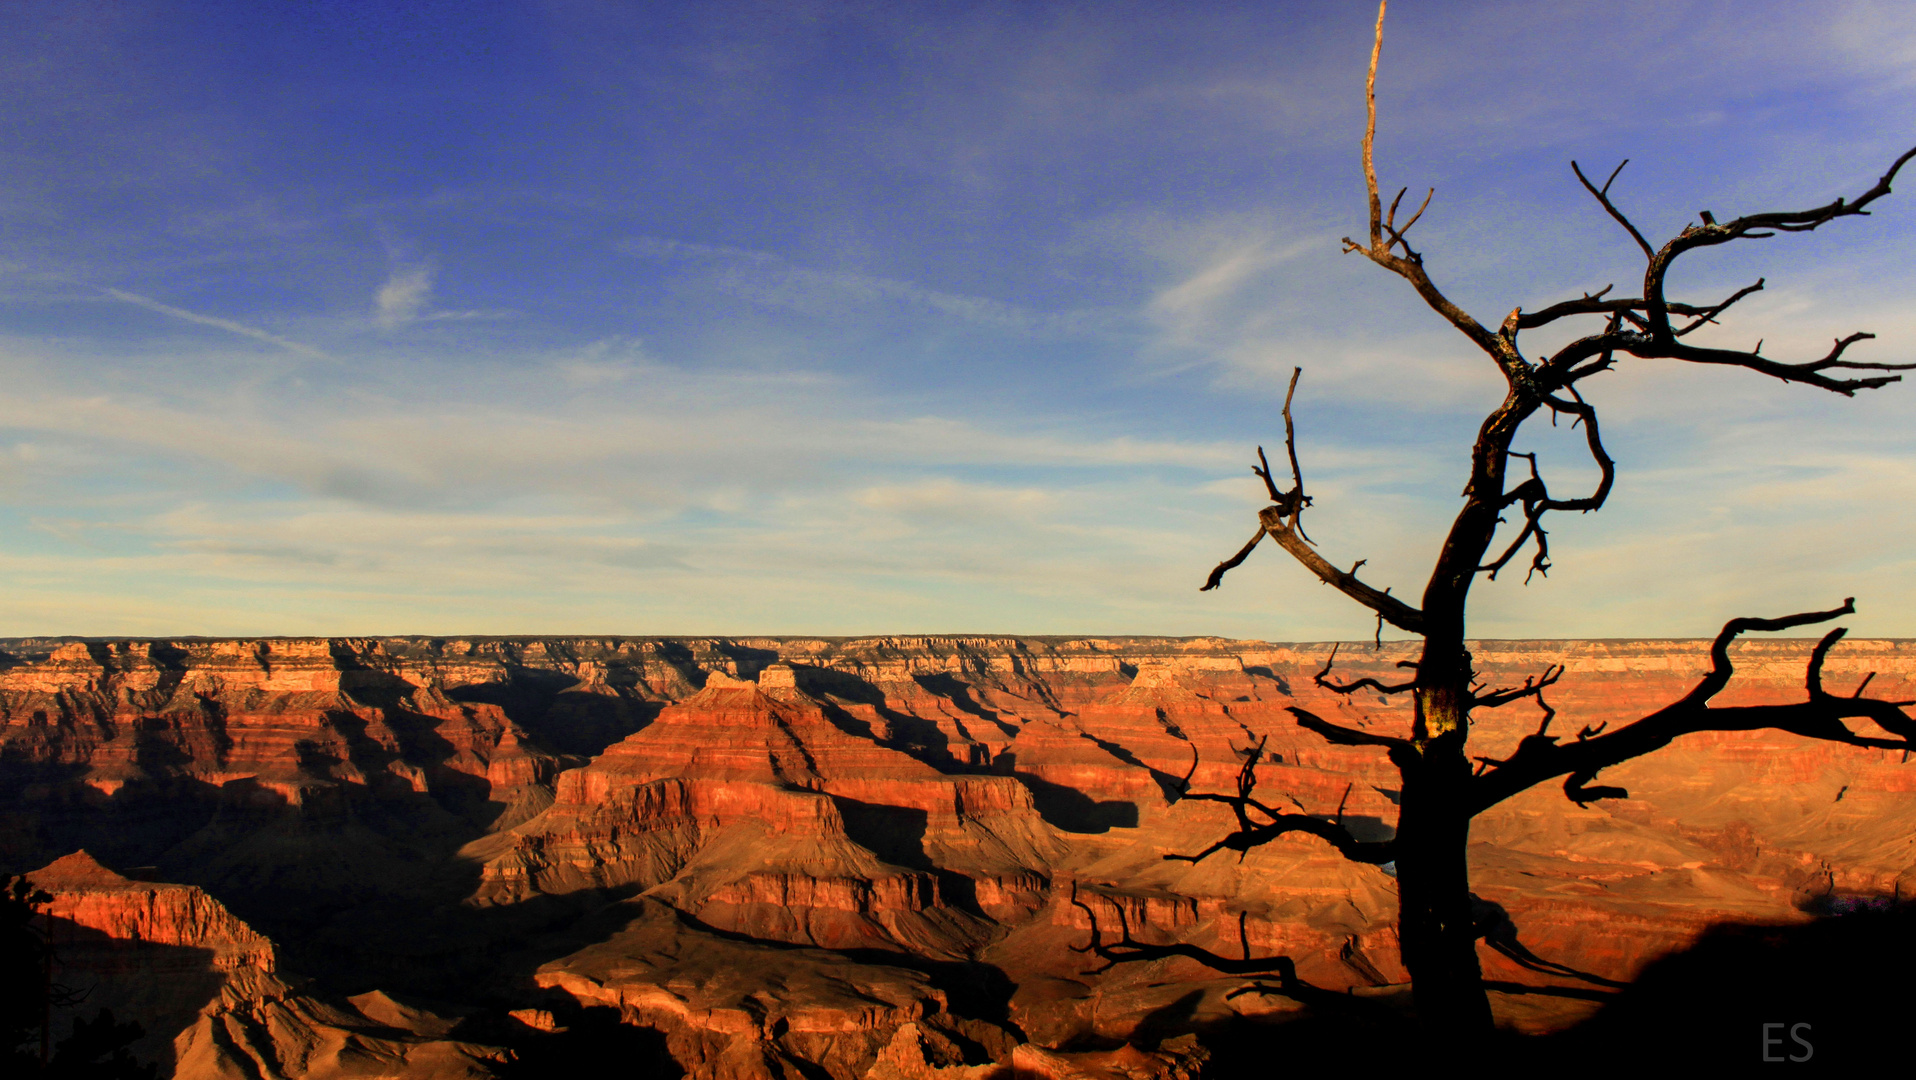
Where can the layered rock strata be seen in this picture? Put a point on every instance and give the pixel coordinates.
(794, 856)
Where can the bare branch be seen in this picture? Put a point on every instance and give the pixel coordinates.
(1396, 235)
(1864, 685)
(1252, 834)
(1809, 373)
(1540, 563)
(1588, 304)
(1348, 688)
(1660, 340)
(1344, 736)
(1370, 129)
(1720, 667)
(1218, 571)
(1410, 265)
(1710, 233)
(1543, 726)
(1391, 609)
(1578, 789)
(1535, 498)
(1602, 195)
(1290, 502)
(1262, 470)
(1493, 924)
(1820, 716)
(1709, 316)
(1533, 686)
(1281, 520)
(1535, 495)
(1299, 500)
(1614, 173)
(1332, 832)
(1595, 304)
(1813, 674)
(1126, 950)
(1586, 415)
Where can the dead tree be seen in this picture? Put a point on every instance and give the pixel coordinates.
(1441, 790)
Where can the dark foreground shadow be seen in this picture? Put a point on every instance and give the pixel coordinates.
(594, 1042)
(1826, 995)
(1833, 993)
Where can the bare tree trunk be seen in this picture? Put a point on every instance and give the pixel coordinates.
(1436, 934)
(1435, 931)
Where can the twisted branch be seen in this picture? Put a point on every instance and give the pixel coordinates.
(1533, 686)
(1252, 834)
(1655, 337)
(1281, 521)
(1820, 716)
(1322, 679)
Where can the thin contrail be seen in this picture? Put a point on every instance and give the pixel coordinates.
(214, 321)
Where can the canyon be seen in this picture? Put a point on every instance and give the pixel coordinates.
(883, 858)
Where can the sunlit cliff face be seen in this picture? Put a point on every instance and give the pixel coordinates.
(844, 852)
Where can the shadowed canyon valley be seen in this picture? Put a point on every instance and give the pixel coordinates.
(853, 858)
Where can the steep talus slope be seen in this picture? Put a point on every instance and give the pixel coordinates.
(789, 856)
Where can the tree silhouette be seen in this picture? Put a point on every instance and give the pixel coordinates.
(1442, 792)
(96, 1048)
(25, 970)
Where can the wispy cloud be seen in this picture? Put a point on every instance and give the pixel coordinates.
(228, 325)
(604, 362)
(777, 282)
(404, 294)
(1219, 280)
(945, 499)
(1248, 301)
(405, 297)
(1876, 34)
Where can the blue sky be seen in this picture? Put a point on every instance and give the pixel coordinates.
(845, 318)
